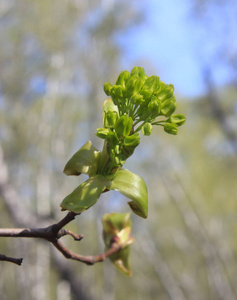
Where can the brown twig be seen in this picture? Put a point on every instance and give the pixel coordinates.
(52, 234)
(17, 261)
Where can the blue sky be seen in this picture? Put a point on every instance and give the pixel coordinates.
(173, 43)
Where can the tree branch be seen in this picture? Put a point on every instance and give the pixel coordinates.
(52, 234)
(22, 215)
(17, 261)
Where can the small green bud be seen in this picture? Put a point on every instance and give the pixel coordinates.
(118, 227)
(168, 107)
(170, 128)
(132, 141)
(133, 85)
(102, 133)
(177, 119)
(154, 107)
(139, 71)
(137, 99)
(147, 129)
(123, 76)
(150, 86)
(108, 88)
(166, 92)
(109, 105)
(118, 91)
(123, 126)
(110, 118)
(112, 139)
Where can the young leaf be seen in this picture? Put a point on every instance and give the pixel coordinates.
(85, 161)
(119, 226)
(85, 195)
(121, 260)
(133, 187)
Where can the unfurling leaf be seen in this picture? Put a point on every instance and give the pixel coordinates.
(127, 183)
(85, 160)
(119, 227)
(85, 195)
(133, 187)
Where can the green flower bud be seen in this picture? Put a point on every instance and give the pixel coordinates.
(147, 129)
(108, 88)
(165, 92)
(112, 139)
(137, 99)
(123, 76)
(170, 128)
(177, 119)
(133, 85)
(109, 105)
(118, 91)
(102, 133)
(154, 107)
(110, 118)
(150, 86)
(138, 71)
(168, 107)
(123, 126)
(132, 141)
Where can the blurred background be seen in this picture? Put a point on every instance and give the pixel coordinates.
(54, 58)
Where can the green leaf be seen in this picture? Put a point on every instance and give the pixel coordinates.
(119, 227)
(85, 195)
(133, 187)
(124, 181)
(121, 261)
(85, 161)
(114, 224)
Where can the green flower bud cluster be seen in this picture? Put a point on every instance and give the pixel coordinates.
(144, 99)
(120, 141)
(136, 103)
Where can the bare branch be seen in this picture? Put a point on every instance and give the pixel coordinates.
(89, 260)
(52, 234)
(17, 261)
